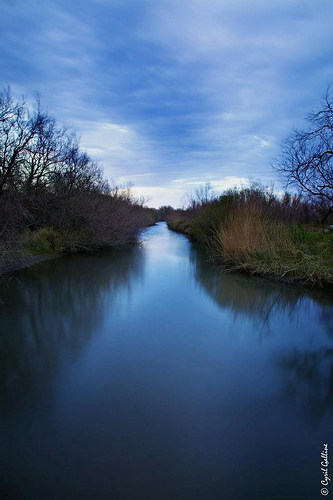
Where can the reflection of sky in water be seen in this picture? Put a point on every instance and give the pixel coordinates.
(148, 374)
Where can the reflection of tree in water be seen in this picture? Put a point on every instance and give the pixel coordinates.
(259, 299)
(56, 308)
(326, 317)
(310, 379)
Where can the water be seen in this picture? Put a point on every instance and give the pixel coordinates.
(147, 374)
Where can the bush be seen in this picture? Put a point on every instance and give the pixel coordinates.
(44, 240)
(204, 227)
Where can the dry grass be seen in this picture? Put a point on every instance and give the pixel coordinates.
(249, 239)
(249, 230)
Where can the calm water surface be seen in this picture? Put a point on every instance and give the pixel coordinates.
(146, 374)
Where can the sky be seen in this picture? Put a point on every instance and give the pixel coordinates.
(172, 94)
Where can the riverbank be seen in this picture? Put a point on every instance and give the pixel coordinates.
(300, 254)
(12, 260)
(23, 260)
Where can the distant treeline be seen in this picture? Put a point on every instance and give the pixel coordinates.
(53, 196)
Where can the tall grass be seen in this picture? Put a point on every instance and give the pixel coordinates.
(249, 230)
(255, 231)
(250, 239)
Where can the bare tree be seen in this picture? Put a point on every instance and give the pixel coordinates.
(201, 197)
(44, 154)
(17, 129)
(306, 159)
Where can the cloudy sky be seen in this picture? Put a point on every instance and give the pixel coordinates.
(171, 94)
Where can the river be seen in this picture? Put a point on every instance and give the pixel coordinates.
(148, 374)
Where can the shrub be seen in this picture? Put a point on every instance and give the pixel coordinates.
(203, 227)
(44, 240)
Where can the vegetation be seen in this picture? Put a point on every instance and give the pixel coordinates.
(256, 231)
(53, 197)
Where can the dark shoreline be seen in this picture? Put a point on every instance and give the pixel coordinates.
(27, 260)
(24, 259)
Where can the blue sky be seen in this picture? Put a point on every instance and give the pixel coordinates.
(171, 94)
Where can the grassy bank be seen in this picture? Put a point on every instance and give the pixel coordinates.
(254, 231)
(30, 247)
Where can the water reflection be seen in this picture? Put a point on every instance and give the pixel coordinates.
(54, 309)
(309, 379)
(307, 372)
(256, 298)
(147, 375)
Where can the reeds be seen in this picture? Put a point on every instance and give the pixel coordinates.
(250, 239)
(256, 231)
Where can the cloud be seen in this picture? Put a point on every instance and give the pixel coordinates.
(161, 90)
(158, 196)
(119, 147)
